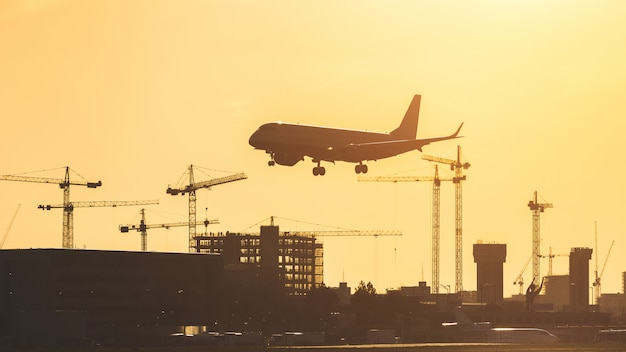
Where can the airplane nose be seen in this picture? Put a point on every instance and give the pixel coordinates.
(254, 139)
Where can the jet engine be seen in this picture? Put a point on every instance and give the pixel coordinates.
(287, 159)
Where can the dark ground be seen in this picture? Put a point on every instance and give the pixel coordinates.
(557, 347)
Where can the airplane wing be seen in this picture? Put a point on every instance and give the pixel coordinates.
(399, 146)
(426, 141)
(408, 144)
(358, 152)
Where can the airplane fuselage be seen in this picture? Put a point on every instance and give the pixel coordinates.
(289, 143)
(292, 141)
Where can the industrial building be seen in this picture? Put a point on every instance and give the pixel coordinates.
(579, 278)
(556, 292)
(489, 259)
(294, 261)
(570, 292)
(55, 298)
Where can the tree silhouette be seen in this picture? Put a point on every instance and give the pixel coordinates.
(364, 304)
(365, 289)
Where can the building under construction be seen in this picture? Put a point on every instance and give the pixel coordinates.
(293, 261)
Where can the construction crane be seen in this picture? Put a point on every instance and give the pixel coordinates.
(596, 283)
(374, 233)
(520, 278)
(68, 220)
(143, 227)
(537, 208)
(6, 233)
(458, 166)
(336, 233)
(191, 189)
(436, 180)
(64, 183)
(551, 256)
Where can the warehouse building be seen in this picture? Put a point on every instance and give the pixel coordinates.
(65, 297)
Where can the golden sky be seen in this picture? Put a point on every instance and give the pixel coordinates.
(132, 92)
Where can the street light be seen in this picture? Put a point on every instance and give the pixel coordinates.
(573, 302)
(447, 287)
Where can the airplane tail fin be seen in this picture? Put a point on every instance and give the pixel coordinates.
(408, 127)
(461, 317)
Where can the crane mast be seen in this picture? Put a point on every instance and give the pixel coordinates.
(550, 257)
(191, 189)
(192, 208)
(436, 251)
(458, 166)
(537, 208)
(435, 214)
(143, 227)
(64, 184)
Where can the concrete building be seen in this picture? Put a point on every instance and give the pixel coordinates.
(489, 259)
(422, 290)
(579, 278)
(343, 292)
(292, 261)
(56, 298)
(557, 291)
(615, 304)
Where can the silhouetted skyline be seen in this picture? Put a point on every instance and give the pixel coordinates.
(133, 93)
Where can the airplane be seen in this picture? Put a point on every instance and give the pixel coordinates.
(522, 335)
(484, 331)
(289, 143)
(464, 322)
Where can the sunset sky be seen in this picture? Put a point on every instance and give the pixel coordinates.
(133, 92)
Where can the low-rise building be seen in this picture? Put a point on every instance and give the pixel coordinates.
(62, 297)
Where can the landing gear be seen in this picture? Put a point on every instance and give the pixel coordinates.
(360, 169)
(319, 170)
(271, 162)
